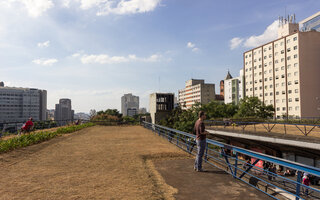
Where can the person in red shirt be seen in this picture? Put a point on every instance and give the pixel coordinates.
(27, 127)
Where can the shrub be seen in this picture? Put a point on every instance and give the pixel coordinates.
(37, 137)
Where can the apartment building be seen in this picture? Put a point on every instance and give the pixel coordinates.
(196, 90)
(161, 104)
(285, 72)
(18, 104)
(233, 88)
(311, 23)
(129, 105)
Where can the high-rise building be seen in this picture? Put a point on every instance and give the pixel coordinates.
(161, 104)
(311, 23)
(129, 105)
(233, 88)
(63, 112)
(18, 104)
(196, 90)
(285, 72)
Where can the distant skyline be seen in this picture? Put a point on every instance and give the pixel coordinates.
(94, 51)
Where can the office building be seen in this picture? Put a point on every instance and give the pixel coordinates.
(285, 72)
(196, 91)
(311, 23)
(161, 105)
(233, 88)
(63, 112)
(129, 105)
(18, 104)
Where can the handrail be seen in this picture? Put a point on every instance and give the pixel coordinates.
(186, 142)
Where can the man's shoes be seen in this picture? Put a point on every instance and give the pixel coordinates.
(195, 169)
(199, 170)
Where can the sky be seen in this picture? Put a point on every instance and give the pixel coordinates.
(94, 51)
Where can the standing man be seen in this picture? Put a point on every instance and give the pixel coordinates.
(200, 132)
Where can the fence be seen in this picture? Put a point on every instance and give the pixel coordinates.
(266, 127)
(255, 173)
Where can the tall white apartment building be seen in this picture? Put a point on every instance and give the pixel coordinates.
(233, 88)
(129, 105)
(285, 72)
(196, 90)
(311, 23)
(18, 104)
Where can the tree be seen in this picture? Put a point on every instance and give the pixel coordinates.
(92, 113)
(253, 107)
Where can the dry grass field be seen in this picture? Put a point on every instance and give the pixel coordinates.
(94, 163)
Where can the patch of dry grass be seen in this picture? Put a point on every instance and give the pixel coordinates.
(101, 162)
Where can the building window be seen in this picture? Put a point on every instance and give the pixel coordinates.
(278, 109)
(296, 82)
(277, 84)
(295, 38)
(277, 69)
(277, 93)
(297, 99)
(270, 48)
(277, 100)
(288, 40)
(283, 92)
(276, 45)
(295, 56)
(295, 64)
(295, 47)
(288, 50)
(271, 93)
(289, 57)
(282, 59)
(277, 77)
(297, 108)
(276, 61)
(276, 53)
(295, 73)
(282, 51)
(283, 100)
(282, 68)
(290, 99)
(289, 82)
(296, 90)
(289, 74)
(289, 66)
(266, 94)
(281, 43)
(282, 76)
(289, 91)
(270, 101)
(270, 56)
(270, 70)
(283, 108)
(270, 78)
(290, 108)
(265, 87)
(282, 84)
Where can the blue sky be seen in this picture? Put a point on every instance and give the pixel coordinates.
(94, 51)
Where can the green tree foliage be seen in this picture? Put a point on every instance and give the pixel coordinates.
(253, 107)
(249, 107)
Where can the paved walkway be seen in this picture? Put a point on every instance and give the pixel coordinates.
(212, 184)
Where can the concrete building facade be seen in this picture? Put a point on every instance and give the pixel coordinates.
(18, 104)
(285, 72)
(233, 88)
(63, 111)
(161, 104)
(196, 91)
(129, 105)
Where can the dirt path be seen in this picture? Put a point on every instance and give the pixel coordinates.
(94, 163)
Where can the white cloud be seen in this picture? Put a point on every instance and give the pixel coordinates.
(75, 55)
(190, 45)
(271, 33)
(235, 42)
(45, 62)
(193, 47)
(106, 59)
(35, 8)
(44, 44)
(128, 7)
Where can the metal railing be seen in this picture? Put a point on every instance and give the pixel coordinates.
(230, 159)
(264, 127)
